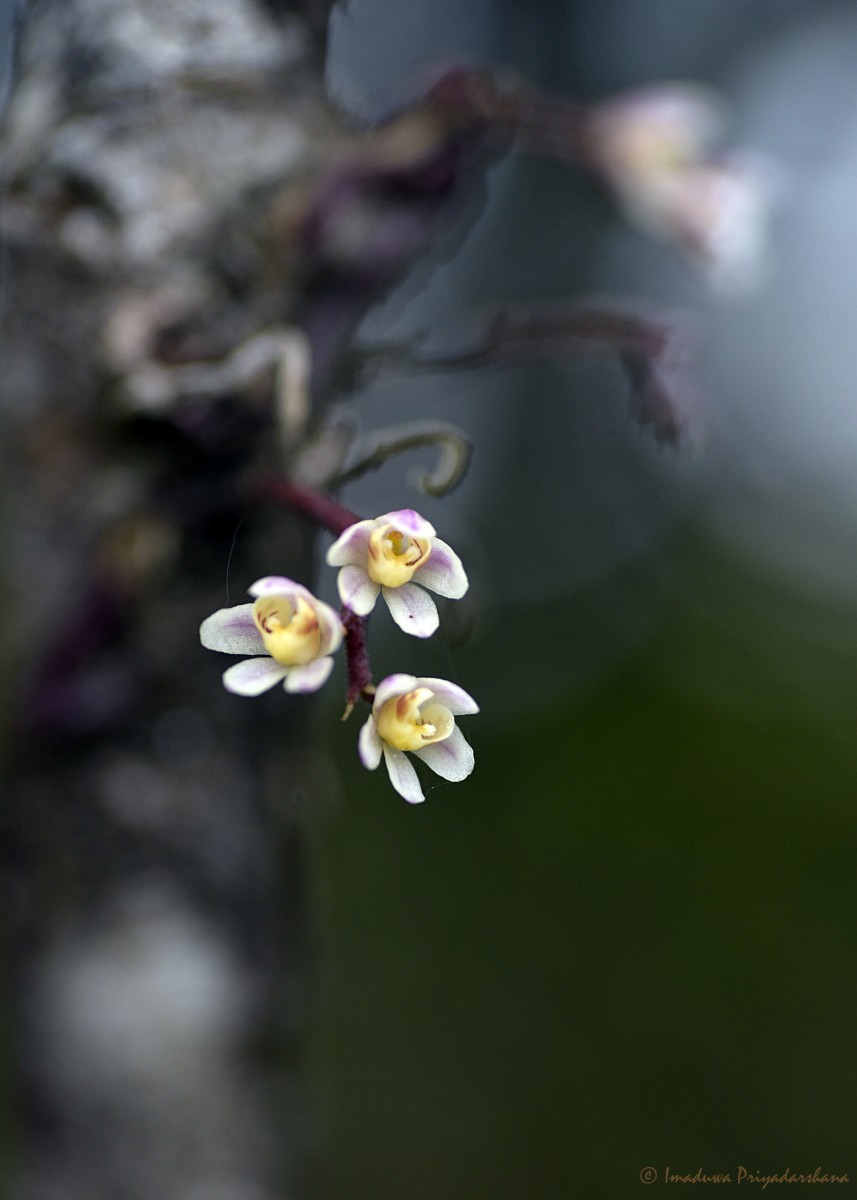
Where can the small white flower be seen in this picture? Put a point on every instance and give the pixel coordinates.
(644, 133)
(717, 213)
(653, 146)
(392, 555)
(291, 631)
(417, 715)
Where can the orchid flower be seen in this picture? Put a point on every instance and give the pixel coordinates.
(417, 715)
(717, 213)
(643, 133)
(392, 555)
(654, 148)
(290, 634)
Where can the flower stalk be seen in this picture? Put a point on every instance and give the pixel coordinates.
(309, 502)
(360, 683)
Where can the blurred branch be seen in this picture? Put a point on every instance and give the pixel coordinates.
(654, 354)
(504, 107)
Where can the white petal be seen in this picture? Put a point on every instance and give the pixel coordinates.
(331, 628)
(357, 590)
(231, 631)
(450, 695)
(403, 775)
(452, 758)
(369, 744)
(352, 547)
(279, 585)
(310, 677)
(413, 610)
(393, 685)
(253, 676)
(443, 572)
(409, 522)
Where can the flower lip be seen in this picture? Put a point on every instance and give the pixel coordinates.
(394, 556)
(413, 720)
(291, 632)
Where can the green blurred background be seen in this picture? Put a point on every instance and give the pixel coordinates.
(627, 940)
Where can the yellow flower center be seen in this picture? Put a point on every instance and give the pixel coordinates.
(290, 631)
(414, 720)
(393, 556)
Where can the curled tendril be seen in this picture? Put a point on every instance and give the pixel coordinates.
(454, 454)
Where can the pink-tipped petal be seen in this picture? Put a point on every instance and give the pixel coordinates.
(369, 744)
(253, 676)
(231, 631)
(393, 685)
(442, 572)
(279, 585)
(331, 628)
(352, 547)
(403, 776)
(412, 609)
(409, 522)
(357, 591)
(450, 695)
(309, 678)
(452, 758)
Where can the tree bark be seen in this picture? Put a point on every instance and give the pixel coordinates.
(157, 154)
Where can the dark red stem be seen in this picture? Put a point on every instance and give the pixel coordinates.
(323, 510)
(359, 669)
(320, 508)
